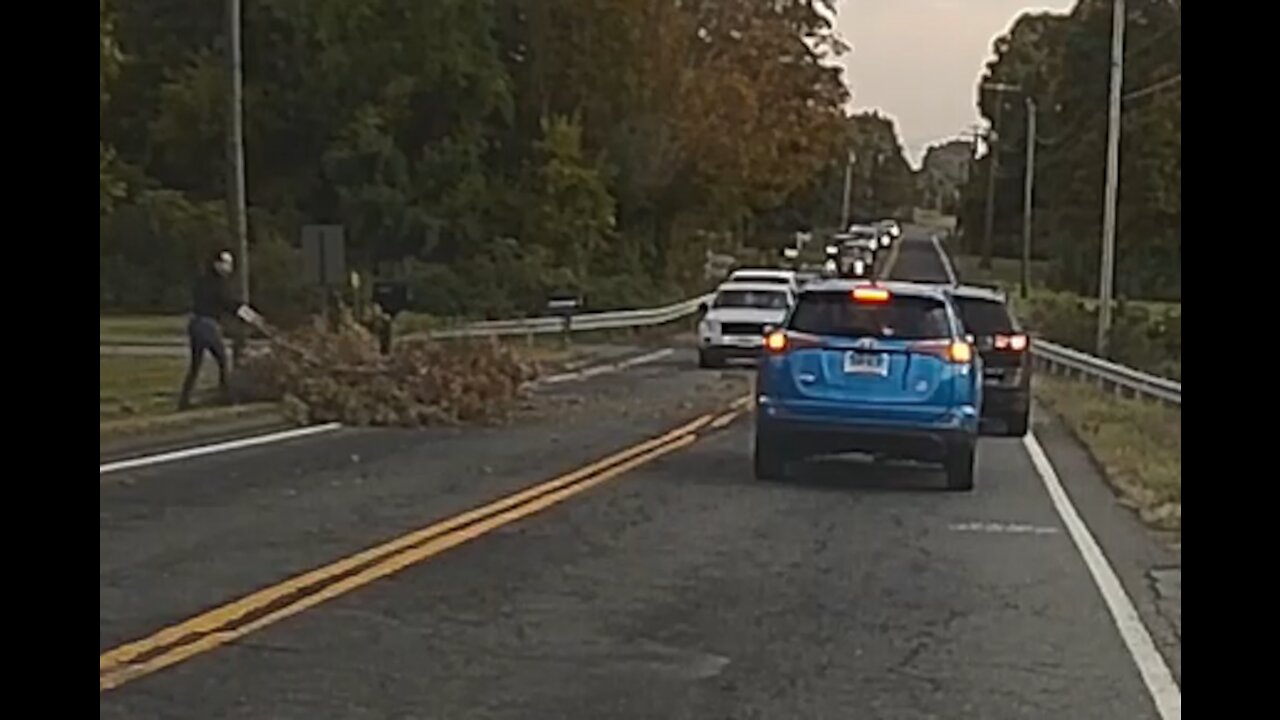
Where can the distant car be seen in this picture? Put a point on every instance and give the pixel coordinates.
(766, 275)
(861, 236)
(879, 368)
(1006, 356)
(733, 323)
(855, 253)
(892, 231)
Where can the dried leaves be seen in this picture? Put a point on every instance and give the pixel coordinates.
(326, 376)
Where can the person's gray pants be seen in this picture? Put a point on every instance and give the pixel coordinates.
(204, 336)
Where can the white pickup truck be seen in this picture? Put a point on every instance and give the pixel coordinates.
(733, 323)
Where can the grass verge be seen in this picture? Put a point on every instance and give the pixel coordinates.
(141, 386)
(142, 326)
(1137, 444)
(138, 396)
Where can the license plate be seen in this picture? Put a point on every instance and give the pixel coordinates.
(864, 363)
(744, 342)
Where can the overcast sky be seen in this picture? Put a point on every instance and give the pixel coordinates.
(918, 61)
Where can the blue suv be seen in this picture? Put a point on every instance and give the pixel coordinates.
(861, 366)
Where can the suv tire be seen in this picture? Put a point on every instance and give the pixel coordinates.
(769, 460)
(959, 466)
(1018, 424)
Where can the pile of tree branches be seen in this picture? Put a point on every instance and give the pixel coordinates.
(326, 375)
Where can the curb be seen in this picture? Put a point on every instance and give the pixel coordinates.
(187, 429)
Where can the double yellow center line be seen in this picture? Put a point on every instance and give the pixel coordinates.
(253, 612)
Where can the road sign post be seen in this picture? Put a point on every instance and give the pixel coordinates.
(324, 260)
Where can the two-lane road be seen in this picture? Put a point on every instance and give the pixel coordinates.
(647, 576)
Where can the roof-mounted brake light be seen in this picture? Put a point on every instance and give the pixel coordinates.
(870, 294)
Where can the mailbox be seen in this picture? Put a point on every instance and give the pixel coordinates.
(392, 296)
(563, 304)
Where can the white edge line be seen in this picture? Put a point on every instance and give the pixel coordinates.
(1151, 665)
(646, 358)
(199, 450)
(946, 261)
(595, 370)
(558, 378)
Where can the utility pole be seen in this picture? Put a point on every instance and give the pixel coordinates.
(236, 210)
(1027, 196)
(993, 166)
(974, 133)
(848, 187)
(1108, 263)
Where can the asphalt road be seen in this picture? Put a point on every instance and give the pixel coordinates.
(670, 585)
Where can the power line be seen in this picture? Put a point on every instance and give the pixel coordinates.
(1154, 87)
(1087, 118)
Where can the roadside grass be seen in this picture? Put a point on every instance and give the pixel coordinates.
(172, 328)
(141, 386)
(142, 326)
(1137, 444)
(138, 396)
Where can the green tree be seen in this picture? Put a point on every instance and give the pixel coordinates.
(1062, 61)
(111, 185)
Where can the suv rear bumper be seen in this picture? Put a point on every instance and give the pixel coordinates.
(931, 441)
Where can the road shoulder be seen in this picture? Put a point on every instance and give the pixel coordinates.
(1149, 564)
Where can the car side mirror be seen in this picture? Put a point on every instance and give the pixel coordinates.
(702, 308)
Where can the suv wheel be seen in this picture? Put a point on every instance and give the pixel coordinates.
(706, 359)
(770, 463)
(1017, 425)
(959, 466)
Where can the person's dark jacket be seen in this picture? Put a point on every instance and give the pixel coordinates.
(212, 297)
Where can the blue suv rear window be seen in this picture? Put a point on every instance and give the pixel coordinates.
(901, 318)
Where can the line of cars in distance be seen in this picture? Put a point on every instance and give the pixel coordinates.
(853, 253)
(902, 370)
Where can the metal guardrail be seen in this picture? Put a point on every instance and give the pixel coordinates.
(1109, 375)
(611, 320)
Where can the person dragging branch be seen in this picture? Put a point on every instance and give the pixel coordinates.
(211, 299)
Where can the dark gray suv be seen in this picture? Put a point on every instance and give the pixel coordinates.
(1006, 357)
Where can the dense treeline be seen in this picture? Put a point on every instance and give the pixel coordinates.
(1062, 62)
(882, 183)
(491, 151)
